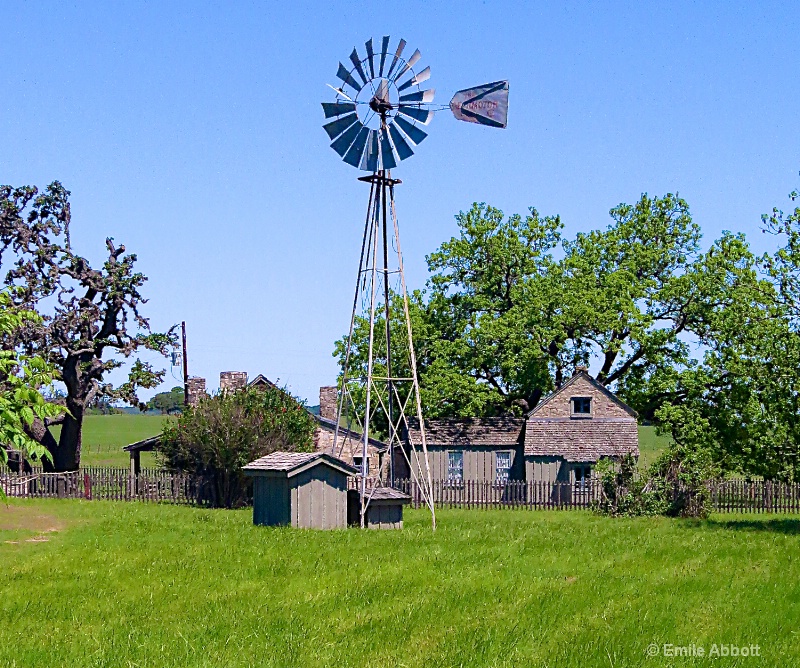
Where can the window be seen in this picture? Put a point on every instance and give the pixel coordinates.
(455, 466)
(502, 467)
(357, 463)
(581, 406)
(583, 474)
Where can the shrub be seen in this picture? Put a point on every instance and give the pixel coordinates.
(676, 485)
(216, 438)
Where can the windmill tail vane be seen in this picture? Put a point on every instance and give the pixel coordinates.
(375, 122)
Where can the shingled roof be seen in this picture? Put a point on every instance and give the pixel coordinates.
(581, 440)
(293, 463)
(494, 431)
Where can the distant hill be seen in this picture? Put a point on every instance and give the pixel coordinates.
(313, 409)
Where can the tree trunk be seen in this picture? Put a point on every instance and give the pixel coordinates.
(67, 456)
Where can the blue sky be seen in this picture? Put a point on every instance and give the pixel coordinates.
(190, 132)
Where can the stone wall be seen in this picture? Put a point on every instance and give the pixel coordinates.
(602, 405)
(351, 446)
(196, 390)
(230, 381)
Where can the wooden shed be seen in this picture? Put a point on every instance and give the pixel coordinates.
(385, 508)
(301, 489)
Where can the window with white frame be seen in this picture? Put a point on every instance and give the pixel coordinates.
(455, 466)
(502, 468)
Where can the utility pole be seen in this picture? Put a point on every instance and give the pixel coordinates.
(185, 366)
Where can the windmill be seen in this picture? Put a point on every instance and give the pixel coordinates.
(377, 115)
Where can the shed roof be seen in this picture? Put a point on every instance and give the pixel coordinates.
(387, 494)
(597, 385)
(145, 445)
(493, 431)
(293, 463)
(581, 440)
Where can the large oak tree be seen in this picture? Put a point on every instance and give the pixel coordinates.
(90, 321)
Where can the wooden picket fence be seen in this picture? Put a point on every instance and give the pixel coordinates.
(153, 485)
(112, 484)
(727, 496)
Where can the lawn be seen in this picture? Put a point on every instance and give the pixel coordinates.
(104, 436)
(127, 584)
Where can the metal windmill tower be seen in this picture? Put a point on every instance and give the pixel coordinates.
(377, 114)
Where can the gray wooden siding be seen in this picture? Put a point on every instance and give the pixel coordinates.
(270, 501)
(319, 499)
(480, 462)
(549, 469)
(384, 516)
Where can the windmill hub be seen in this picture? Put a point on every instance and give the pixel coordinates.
(380, 102)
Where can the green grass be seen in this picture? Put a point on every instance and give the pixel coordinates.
(127, 584)
(104, 436)
(651, 445)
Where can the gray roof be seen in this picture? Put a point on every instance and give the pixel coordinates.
(292, 463)
(493, 431)
(581, 440)
(145, 445)
(386, 494)
(330, 425)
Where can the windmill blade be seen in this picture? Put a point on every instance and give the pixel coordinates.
(409, 64)
(337, 108)
(400, 47)
(403, 149)
(370, 55)
(344, 75)
(357, 64)
(335, 128)
(353, 155)
(383, 90)
(346, 140)
(388, 160)
(339, 91)
(413, 111)
(414, 133)
(485, 105)
(384, 51)
(422, 96)
(369, 161)
(418, 79)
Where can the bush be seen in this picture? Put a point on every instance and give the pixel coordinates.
(216, 438)
(676, 485)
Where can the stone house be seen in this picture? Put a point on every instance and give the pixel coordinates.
(560, 440)
(576, 426)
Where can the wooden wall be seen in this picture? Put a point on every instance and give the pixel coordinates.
(384, 515)
(548, 469)
(319, 499)
(270, 501)
(479, 462)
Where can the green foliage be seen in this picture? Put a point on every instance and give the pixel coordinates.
(677, 484)
(22, 377)
(167, 402)
(222, 433)
(132, 584)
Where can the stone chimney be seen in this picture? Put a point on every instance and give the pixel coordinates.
(580, 369)
(230, 381)
(328, 402)
(196, 390)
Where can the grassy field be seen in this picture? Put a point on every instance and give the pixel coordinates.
(126, 584)
(105, 435)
